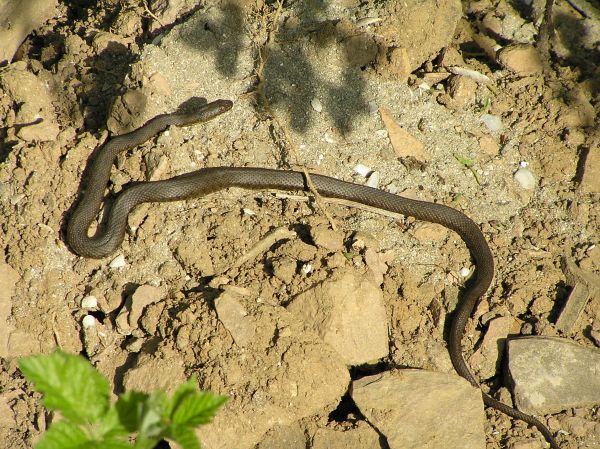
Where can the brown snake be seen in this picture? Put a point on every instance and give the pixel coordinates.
(201, 182)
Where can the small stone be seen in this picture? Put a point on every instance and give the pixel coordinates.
(462, 91)
(88, 321)
(235, 318)
(118, 262)
(362, 170)
(486, 359)
(525, 178)
(316, 104)
(521, 59)
(541, 387)
(492, 122)
(489, 146)
(89, 302)
(410, 407)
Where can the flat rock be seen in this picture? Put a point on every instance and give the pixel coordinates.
(35, 114)
(362, 436)
(348, 313)
(521, 59)
(590, 181)
(418, 409)
(289, 437)
(18, 18)
(486, 359)
(586, 285)
(152, 373)
(552, 374)
(235, 318)
(8, 279)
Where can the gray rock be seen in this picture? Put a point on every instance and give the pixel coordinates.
(422, 409)
(552, 374)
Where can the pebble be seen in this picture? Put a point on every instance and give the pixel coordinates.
(525, 178)
(118, 262)
(362, 170)
(464, 272)
(492, 122)
(316, 104)
(89, 302)
(373, 180)
(88, 321)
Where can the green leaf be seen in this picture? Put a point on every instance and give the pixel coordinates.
(191, 407)
(130, 408)
(70, 385)
(64, 435)
(184, 436)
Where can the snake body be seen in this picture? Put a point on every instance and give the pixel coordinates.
(207, 180)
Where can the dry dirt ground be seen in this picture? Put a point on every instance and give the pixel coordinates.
(309, 81)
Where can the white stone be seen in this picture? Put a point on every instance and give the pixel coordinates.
(525, 178)
(89, 302)
(88, 321)
(118, 262)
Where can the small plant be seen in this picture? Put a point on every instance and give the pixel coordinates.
(72, 387)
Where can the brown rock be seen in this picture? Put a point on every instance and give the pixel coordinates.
(8, 279)
(18, 18)
(411, 407)
(521, 59)
(590, 181)
(348, 313)
(235, 318)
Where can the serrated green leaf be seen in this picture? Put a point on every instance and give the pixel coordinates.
(69, 384)
(196, 408)
(130, 408)
(184, 436)
(64, 435)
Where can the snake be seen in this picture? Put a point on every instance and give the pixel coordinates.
(110, 233)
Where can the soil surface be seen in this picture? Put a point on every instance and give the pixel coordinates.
(191, 291)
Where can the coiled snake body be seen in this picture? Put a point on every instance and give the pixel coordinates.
(201, 182)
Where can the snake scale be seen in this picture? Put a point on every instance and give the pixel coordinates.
(110, 234)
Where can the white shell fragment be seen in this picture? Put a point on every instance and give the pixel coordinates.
(88, 321)
(366, 21)
(316, 104)
(306, 268)
(118, 262)
(248, 211)
(362, 170)
(89, 302)
(464, 272)
(525, 178)
(473, 74)
(373, 180)
(492, 122)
